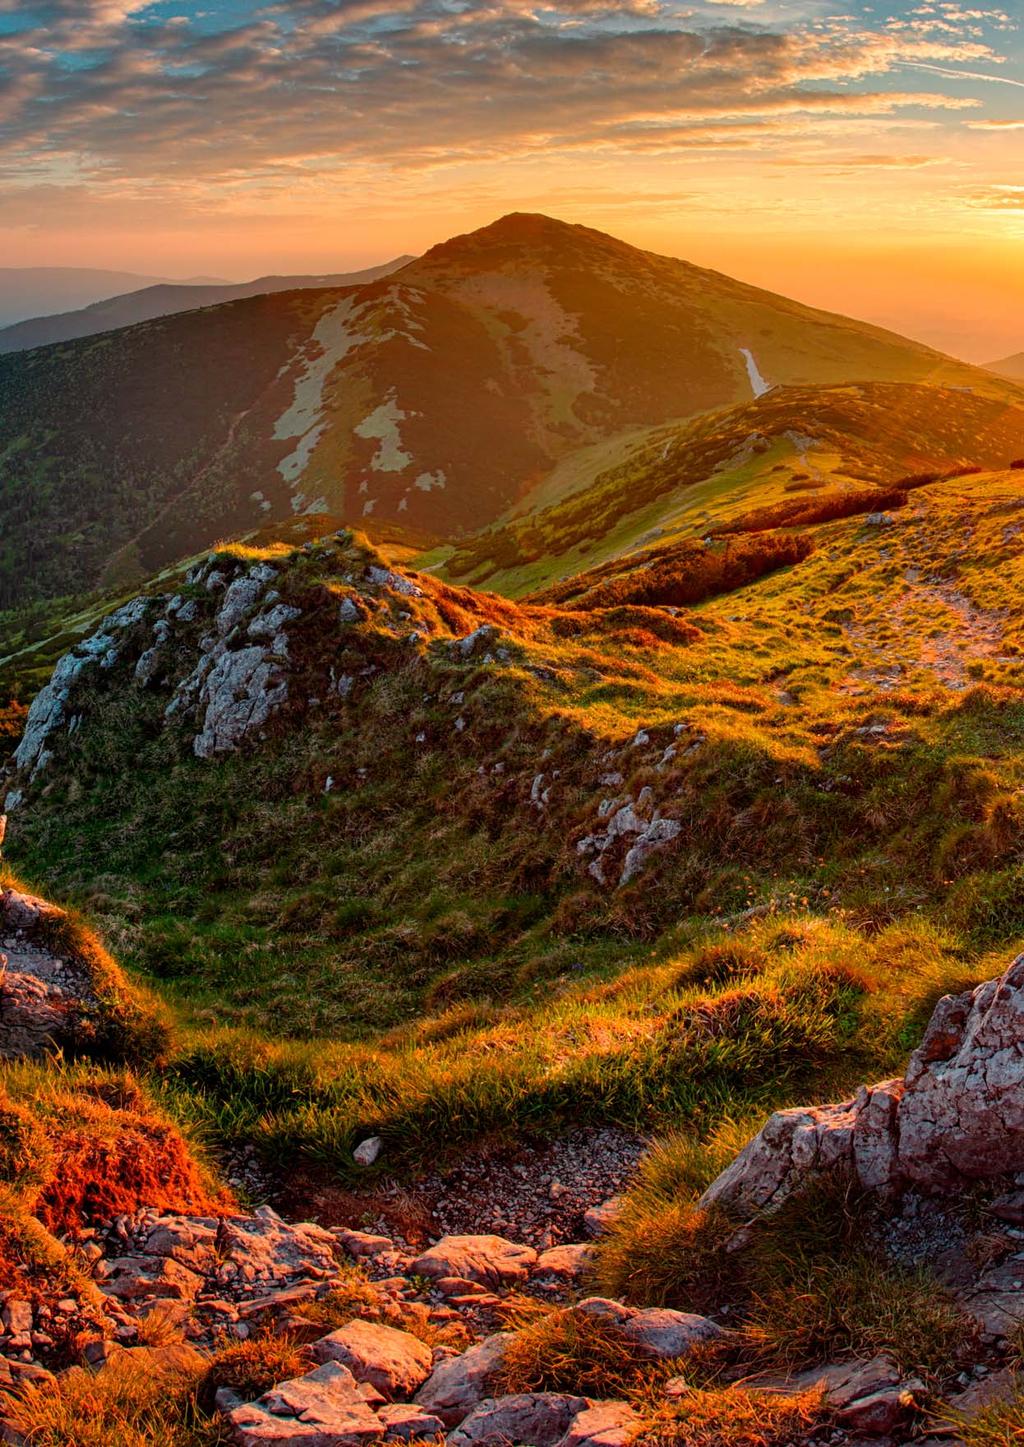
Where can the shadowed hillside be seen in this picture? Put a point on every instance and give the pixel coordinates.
(436, 397)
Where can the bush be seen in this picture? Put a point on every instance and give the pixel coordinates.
(251, 1368)
(681, 575)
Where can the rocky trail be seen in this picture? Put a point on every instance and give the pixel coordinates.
(41, 993)
(543, 1193)
(411, 1337)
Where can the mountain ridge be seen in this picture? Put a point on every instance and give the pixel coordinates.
(167, 298)
(436, 397)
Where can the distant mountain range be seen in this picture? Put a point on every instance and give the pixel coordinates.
(489, 371)
(164, 299)
(1012, 367)
(32, 291)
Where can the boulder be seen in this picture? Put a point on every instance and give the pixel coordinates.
(321, 1409)
(657, 1332)
(870, 1397)
(568, 1263)
(362, 1243)
(956, 1116)
(395, 1362)
(599, 1219)
(190, 1240)
(403, 1422)
(661, 1334)
(34, 1015)
(602, 1424)
(264, 1250)
(491, 1260)
(457, 1385)
(131, 1278)
(540, 1419)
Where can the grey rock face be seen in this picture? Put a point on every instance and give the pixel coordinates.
(240, 692)
(957, 1115)
(242, 595)
(541, 1419)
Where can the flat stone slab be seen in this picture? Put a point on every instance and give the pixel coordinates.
(394, 1362)
(491, 1260)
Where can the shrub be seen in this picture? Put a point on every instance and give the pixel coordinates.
(251, 1368)
(804, 512)
(567, 1351)
(680, 575)
(140, 1399)
(734, 1417)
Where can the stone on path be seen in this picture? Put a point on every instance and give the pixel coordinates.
(541, 1419)
(395, 1362)
(490, 1260)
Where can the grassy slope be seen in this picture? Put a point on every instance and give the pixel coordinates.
(678, 482)
(850, 763)
(455, 387)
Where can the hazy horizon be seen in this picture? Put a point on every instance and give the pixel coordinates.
(866, 162)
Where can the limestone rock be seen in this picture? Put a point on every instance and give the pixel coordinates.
(602, 1424)
(368, 1151)
(34, 1015)
(657, 834)
(192, 1241)
(362, 1243)
(657, 1332)
(395, 1362)
(491, 1260)
(870, 1397)
(321, 1409)
(263, 1248)
(568, 1262)
(662, 1334)
(457, 1385)
(240, 693)
(957, 1115)
(598, 1219)
(540, 1419)
(404, 1422)
(136, 1277)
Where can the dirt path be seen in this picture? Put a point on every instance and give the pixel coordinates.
(968, 634)
(537, 1194)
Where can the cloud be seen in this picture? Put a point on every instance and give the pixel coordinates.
(111, 95)
(999, 198)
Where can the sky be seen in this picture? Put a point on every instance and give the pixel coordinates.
(866, 157)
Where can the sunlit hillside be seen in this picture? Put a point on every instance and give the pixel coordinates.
(437, 397)
(531, 733)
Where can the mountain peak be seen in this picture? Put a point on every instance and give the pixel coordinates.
(524, 229)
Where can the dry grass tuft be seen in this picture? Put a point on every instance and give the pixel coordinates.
(567, 1351)
(734, 1417)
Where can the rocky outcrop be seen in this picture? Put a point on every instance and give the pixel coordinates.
(49, 712)
(956, 1115)
(44, 996)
